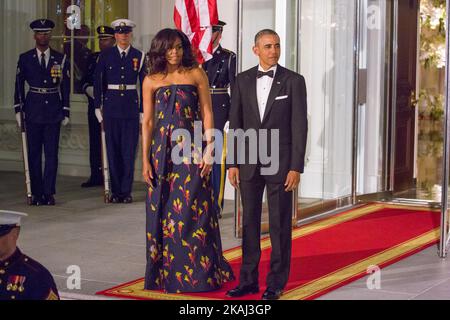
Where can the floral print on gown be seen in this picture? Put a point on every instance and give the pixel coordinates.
(184, 250)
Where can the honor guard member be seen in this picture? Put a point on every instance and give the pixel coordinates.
(106, 41)
(21, 278)
(116, 93)
(221, 71)
(45, 107)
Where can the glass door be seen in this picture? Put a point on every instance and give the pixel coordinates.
(346, 54)
(75, 33)
(374, 98)
(327, 61)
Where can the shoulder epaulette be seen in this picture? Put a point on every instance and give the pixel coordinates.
(228, 51)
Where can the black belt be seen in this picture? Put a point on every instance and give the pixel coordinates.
(44, 90)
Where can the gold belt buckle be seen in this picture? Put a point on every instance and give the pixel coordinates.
(122, 87)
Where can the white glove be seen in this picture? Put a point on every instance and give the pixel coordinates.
(98, 114)
(226, 127)
(142, 118)
(66, 121)
(18, 119)
(90, 92)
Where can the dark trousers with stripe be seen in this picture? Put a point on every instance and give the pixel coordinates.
(95, 146)
(218, 176)
(221, 107)
(280, 225)
(122, 137)
(43, 137)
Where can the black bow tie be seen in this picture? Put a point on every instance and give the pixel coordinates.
(261, 74)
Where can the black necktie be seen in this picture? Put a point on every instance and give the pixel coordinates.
(43, 61)
(123, 55)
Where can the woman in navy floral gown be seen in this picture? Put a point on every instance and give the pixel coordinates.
(184, 250)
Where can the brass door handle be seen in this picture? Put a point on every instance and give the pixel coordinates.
(413, 100)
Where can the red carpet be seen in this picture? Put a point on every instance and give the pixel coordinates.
(329, 253)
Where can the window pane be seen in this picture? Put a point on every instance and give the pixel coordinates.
(327, 63)
(88, 16)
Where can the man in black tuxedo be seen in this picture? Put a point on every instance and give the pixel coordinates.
(272, 98)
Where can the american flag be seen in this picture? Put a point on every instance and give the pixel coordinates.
(196, 18)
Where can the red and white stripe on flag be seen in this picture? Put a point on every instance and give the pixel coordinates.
(196, 18)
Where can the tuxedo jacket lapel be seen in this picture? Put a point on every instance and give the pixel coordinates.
(251, 78)
(276, 87)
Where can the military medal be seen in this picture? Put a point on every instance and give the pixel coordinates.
(21, 282)
(12, 283)
(56, 73)
(16, 281)
(135, 64)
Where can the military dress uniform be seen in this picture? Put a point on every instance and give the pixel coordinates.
(22, 278)
(95, 144)
(115, 91)
(221, 71)
(45, 106)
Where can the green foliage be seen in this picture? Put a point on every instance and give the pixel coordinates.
(432, 35)
(433, 103)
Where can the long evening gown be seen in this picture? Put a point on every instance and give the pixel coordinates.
(184, 250)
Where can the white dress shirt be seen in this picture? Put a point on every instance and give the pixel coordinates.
(47, 56)
(263, 87)
(122, 50)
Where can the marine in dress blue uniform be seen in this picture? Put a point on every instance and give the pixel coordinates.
(118, 71)
(221, 71)
(21, 278)
(106, 40)
(45, 106)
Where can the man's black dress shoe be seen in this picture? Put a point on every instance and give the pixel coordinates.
(128, 200)
(272, 294)
(36, 201)
(49, 200)
(115, 199)
(242, 291)
(92, 183)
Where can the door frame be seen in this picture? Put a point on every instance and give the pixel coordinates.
(444, 232)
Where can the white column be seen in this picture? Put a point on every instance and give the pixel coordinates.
(228, 12)
(281, 27)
